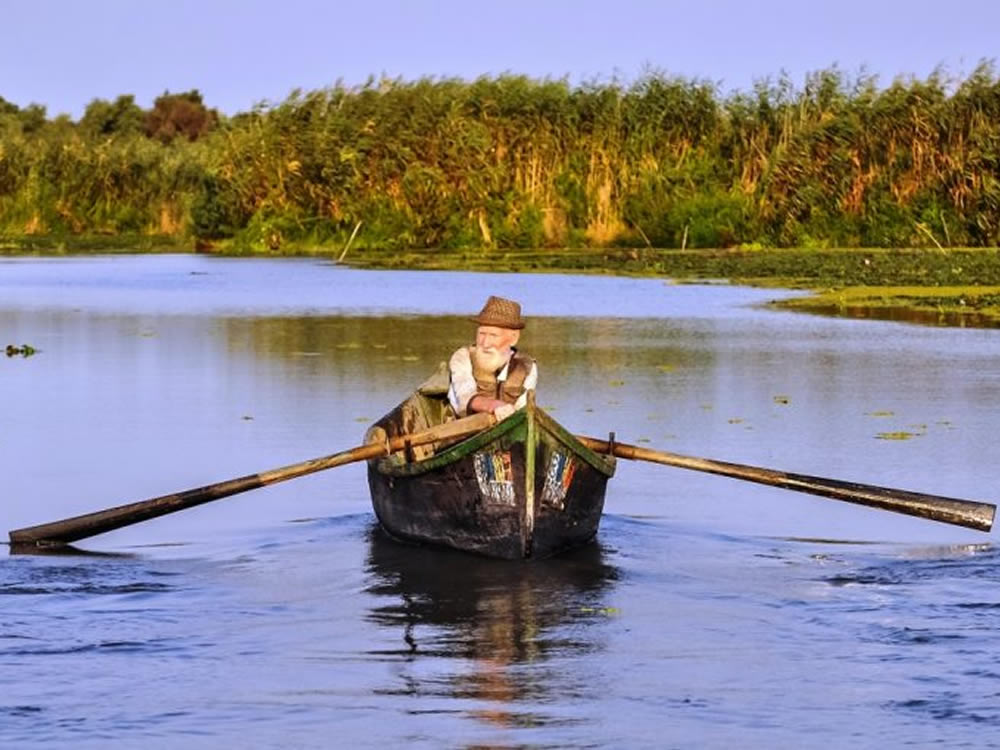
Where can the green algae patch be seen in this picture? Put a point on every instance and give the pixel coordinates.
(798, 268)
(936, 305)
(603, 611)
(897, 435)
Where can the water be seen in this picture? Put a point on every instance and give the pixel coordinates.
(711, 613)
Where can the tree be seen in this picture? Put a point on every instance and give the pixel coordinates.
(32, 117)
(182, 115)
(104, 118)
(8, 108)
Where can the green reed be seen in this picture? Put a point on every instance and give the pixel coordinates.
(514, 162)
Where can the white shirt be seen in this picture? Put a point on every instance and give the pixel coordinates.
(463, 383)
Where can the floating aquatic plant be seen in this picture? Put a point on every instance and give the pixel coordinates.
(897, 435)
(25, 350)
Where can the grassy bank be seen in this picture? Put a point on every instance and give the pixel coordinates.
(90, 244)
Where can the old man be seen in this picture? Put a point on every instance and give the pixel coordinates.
(492, 375)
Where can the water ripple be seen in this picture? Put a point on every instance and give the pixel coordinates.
(86, 588)
(950, 707)
(20, 710)
(128, 647)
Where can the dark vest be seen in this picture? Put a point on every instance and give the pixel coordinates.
(509, 390)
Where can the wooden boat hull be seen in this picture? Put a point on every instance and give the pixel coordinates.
(524, 488)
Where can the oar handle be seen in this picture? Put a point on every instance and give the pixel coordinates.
(91, 524)
(968, 513)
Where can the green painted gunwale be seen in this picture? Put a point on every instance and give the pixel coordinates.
(516, 423)
(603, 464)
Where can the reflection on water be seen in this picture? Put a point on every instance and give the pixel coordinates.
(506, 620)
(952, 318)
(393, 354)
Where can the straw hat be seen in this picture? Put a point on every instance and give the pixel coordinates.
(500, 312)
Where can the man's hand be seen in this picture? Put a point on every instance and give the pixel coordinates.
(504, 411)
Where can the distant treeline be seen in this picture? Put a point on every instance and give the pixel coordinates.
(510, 161)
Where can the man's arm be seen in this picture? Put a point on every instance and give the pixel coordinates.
(485, 403)
(501, 408)
(462, 391)
(462, 386)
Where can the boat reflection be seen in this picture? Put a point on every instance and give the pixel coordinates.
(505, 622)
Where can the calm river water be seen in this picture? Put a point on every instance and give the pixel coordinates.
(711, 613)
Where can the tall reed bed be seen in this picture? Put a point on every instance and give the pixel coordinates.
(513, 162)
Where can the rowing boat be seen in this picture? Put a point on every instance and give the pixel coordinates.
(523, 488)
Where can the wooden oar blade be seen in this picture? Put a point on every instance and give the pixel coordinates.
(968, 513)
(73, 529)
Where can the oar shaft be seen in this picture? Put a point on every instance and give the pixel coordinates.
(91, 524)
(968, 513)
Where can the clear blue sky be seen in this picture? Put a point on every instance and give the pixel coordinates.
(238, 52)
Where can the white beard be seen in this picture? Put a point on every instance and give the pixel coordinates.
(489, 360)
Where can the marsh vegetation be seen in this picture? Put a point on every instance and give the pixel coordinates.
(661, 176)
(510, 162)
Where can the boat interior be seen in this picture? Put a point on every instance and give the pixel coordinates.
(426, 408)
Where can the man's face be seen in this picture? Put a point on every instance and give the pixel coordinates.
(493, 346)
(491, 339)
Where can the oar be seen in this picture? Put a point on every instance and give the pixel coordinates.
(974, 515)
(80, 527)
